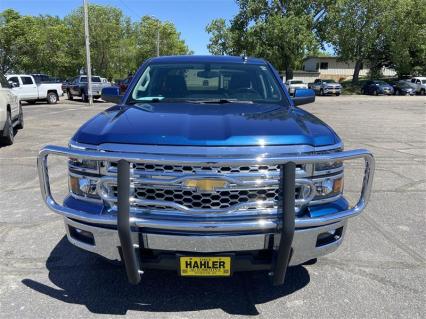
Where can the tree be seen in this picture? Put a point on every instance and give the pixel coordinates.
(406, 36)
(356, 29)
(146, 39)
(10, 31)
(281, 31)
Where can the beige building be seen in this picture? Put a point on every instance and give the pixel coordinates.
(331, 67)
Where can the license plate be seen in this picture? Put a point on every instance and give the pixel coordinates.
(205, 266)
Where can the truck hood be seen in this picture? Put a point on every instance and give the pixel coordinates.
(191, 124)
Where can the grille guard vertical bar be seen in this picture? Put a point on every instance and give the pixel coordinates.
(123, 223)
(283, 255)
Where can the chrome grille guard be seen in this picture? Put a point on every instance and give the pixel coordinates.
(287, 183)
(111, 219)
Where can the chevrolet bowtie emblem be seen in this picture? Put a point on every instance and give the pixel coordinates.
(205, 185)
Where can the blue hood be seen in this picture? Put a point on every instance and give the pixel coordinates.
(205, 125)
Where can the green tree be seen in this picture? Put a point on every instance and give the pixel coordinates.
(10, 32)
(281, 31)
(146, 39)
(406, 36)
(356, 29)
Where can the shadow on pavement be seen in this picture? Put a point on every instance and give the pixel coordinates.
(88, 280)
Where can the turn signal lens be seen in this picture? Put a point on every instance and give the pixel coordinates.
(329, 187)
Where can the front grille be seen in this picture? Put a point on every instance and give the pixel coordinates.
(217, 200)
(180, 169)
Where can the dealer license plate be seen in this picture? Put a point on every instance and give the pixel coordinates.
(205, 266)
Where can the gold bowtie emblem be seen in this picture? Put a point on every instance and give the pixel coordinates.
(205, 185)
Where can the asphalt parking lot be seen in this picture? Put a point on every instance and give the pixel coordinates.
(379, 271)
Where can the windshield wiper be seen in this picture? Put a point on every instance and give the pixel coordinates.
(220, 101)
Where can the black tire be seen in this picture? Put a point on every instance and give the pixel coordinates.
(362, 91)
(69, 95)
(52, 98)
(84, 97)
(322, 92)
(311, 262)
(337, 94)
(422, 92)
(8, 132)
(20, 124)
(375, 92)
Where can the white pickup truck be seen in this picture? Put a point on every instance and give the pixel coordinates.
(11, 116)
(26, 88)
(292, 85)
(420, 84)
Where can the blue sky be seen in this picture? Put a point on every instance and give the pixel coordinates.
(189, 16)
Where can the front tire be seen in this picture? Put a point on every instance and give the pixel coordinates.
(69, 96)
(52, 98)
(20, 124)
(375, 93)
(322, 92)
(8, 132)
(422, 92)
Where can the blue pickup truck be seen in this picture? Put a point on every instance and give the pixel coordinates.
(206, 166)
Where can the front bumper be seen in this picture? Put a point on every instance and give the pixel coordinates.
(305, 245)
(292, 240)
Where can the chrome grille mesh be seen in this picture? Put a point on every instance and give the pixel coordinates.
(191, 199)
(158, 187)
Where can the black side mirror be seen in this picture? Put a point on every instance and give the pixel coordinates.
(303, 96)
(111, 94)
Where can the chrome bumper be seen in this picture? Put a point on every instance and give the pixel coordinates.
(305, 246)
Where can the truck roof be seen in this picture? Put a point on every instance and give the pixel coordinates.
(207, 59)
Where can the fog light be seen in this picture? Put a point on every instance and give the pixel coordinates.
(82, 235)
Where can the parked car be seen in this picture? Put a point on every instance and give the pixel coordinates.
(402, 87)
(292, 85)
(420, 83)
(11, 115)
(376, 87)
(123, 85)
(26, 88)
(326, 86)
(79, 87)
(206, 167)
(43, 78)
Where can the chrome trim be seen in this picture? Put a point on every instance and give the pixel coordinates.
(202, 151)
(304, 241)
(209, 161)
(206, 244)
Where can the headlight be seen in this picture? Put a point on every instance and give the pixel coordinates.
(329, 187)
(83, 186)
(84, 165)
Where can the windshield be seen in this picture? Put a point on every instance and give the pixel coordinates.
(381, 82)
(329, 81)
(198, 82)
(94, 79)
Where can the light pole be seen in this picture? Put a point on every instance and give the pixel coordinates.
(88, 62)
(158, 33)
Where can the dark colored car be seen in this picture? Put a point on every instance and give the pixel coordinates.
(124, 84)
(403, 88)
(376, 87)
(79, 87)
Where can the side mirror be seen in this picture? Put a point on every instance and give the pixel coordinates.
(111, 94)
(303, 96)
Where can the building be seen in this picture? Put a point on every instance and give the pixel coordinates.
(332, 68)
